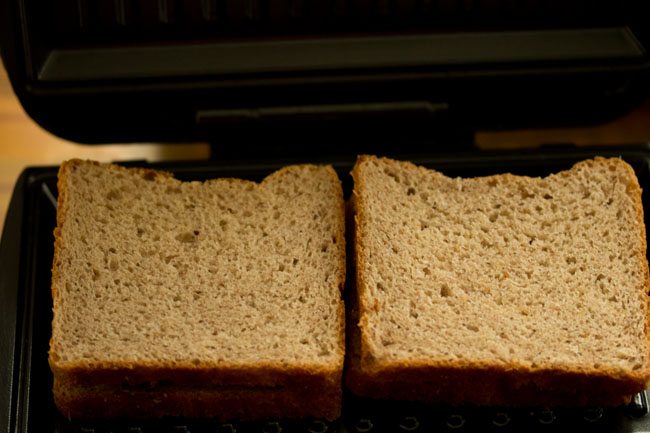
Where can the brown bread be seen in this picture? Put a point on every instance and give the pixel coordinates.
(180, 289)
(502, 290)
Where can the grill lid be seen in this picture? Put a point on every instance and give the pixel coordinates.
(236, 70)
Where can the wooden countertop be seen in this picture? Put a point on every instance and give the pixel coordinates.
(23, 143)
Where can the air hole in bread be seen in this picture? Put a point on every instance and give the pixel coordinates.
(186, 237)
(387, 340)
(113, 194)
(392, 175)
(525, 194)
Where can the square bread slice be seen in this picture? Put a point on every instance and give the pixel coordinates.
(219, 298)
(499, 290)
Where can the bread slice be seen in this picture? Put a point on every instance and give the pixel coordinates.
(500, 290)
(187, 289)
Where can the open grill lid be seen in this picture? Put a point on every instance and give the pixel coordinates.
(244, 70)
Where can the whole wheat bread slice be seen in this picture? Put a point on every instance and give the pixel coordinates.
(223, 283)
(501, 290)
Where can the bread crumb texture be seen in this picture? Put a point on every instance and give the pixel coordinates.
(535, 273)
(149, 269)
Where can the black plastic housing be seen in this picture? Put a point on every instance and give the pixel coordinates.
(228, 71)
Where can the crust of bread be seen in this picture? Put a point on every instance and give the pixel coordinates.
(80, 375)
(486, 383)
(221, 403)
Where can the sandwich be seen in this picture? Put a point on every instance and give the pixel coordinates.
(217, 299)
(500, 290)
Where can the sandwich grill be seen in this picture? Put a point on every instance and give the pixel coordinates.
(274, 82)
